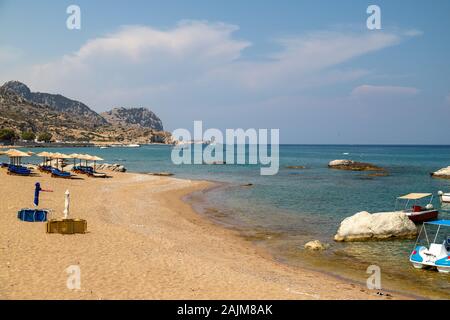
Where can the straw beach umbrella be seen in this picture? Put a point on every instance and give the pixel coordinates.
(60, 156)
(46, 155)
(75, 157)
(86, 158)
(16, 156)
(95, 159)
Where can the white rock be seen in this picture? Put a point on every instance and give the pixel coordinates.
(365, 226)
(443, 173)
(340, 163)
(316, 245)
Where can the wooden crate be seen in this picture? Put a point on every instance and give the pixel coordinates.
(67, 226)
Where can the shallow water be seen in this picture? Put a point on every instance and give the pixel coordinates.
(283, 212)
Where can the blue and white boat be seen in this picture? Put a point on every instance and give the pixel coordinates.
(437, 253)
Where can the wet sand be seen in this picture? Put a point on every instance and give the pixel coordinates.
(144, 242)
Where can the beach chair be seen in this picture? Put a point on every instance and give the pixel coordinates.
(45, 169)
(18, 170)
(92, 173)
(96, 174)
(82, 169)
(4, 165)
(56, 173)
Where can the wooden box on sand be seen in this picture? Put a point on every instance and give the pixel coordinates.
(67, 226)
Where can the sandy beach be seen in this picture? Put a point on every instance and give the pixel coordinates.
(143, 242)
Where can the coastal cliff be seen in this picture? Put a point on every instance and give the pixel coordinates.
(66, 120)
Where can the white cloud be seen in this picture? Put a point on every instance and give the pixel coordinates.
(413, 33)
(197, 67)
(369, 90)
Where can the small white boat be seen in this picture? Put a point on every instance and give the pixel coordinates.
(445, 197)
(435, 254)
(133, 146)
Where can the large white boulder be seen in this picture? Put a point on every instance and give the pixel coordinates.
(442, 173)
(364, 226)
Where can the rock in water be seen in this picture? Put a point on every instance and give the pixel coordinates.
(364, 226)
(316, 245)
(111, 167)
(353, 165)
(443, 173)
(161, 174)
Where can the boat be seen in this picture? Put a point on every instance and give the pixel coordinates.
(133, 145)
(444, 197)
(434, 255)
(415, 212)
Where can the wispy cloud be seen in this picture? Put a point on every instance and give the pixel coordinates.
(199, 69)
(370, 90)
(199, 56)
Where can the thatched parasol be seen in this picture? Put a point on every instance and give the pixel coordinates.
(60, 156)
(15, 156)
(46, 155)
(95, 159)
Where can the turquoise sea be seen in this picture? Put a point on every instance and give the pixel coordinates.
(283, 212)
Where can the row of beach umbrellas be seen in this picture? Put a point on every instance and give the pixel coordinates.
(17, 155)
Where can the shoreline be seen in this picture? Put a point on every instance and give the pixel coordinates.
(265, 251)
(143, 242)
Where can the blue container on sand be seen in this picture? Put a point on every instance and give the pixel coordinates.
(32, 215)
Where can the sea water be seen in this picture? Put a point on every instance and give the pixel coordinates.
(284, 211)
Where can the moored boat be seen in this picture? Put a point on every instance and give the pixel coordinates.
(414, 211)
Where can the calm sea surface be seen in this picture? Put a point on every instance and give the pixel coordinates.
(284, 211)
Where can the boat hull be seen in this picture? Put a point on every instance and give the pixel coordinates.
(445, 198)
(423, 216)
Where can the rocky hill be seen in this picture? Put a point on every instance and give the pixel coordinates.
(133, 117)
(58, 103)
(70, 120)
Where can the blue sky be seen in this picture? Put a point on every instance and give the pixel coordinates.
(310, 68)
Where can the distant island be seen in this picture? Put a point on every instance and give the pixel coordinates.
(35, 116)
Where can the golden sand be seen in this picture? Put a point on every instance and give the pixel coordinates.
(143, 242)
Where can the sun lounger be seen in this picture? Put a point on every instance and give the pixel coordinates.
(46, 169)
(4, 165)
(56, 173)
(97, 174)
(18, 170)
(89, 171)
(82, 169)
